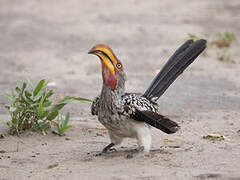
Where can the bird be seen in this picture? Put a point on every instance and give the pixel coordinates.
(131, 115)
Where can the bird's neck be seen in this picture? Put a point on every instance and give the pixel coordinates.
(111, 96)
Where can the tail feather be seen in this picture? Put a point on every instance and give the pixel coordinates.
(177, 63)
(156, 120)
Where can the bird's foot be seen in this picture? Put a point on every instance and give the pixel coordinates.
(106, 149)
(112, 150)
(138, 151)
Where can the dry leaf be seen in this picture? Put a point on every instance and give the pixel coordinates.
(53, 166)
(101, 127)
(172, 143)
(214, 137)
(168, 140)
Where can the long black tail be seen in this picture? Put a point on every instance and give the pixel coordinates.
(156, 120)
(177, 63)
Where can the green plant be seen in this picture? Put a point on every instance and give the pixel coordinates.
(33, 108)
(224, 40)
(194, 37)
(225, 55)
(61, 125)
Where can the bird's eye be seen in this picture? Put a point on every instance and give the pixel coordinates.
(119, 66)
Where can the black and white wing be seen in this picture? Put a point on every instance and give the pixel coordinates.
(156, 120)
(141, 109)
(131, 101)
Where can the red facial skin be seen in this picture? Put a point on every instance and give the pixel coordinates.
(109, 78)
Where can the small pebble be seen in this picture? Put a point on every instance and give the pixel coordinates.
(2, 136)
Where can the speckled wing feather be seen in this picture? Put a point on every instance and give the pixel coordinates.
(130, 101)
(141, 109)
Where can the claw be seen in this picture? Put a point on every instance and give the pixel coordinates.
(108, 148)
(138, 151)
(129, 156)
(112, 150)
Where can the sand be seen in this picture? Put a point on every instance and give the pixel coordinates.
(50, 39)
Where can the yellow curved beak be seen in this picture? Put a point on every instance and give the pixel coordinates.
(104, 60)
(106, 55)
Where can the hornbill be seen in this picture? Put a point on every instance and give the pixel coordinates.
(131, 114)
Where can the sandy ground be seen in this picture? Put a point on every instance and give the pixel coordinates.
(50, 39)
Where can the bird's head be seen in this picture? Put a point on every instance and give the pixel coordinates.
(112, 68)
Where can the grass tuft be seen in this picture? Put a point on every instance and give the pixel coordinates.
(223, 42)
(31, 107)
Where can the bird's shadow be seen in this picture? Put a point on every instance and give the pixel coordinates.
(123, 152)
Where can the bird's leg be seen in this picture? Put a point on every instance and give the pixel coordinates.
(139, 150)
(144, 140)
(106, 149)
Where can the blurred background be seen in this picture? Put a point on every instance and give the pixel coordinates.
(50, 40)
